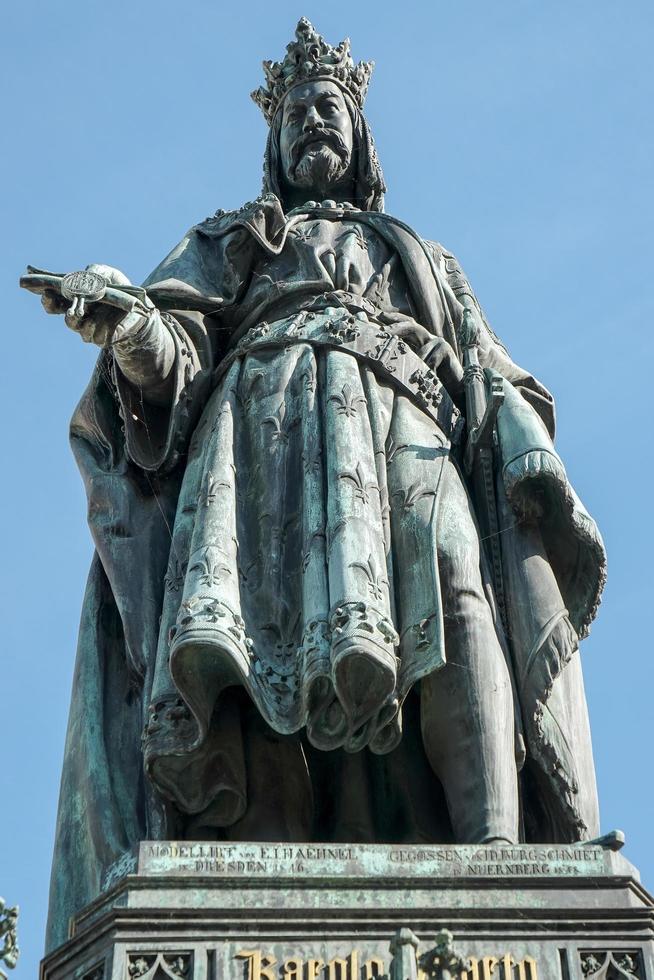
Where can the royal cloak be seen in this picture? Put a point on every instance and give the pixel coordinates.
(133, 703)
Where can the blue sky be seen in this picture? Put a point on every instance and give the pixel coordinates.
(517, 133)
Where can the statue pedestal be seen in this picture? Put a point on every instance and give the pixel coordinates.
(214, 911)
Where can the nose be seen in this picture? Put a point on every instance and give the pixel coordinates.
(312, 120)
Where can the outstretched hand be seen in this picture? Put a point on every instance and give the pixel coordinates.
(98, 325)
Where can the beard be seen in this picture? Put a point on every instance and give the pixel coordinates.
(320, 166)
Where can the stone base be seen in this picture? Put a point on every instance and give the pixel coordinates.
(207, 911)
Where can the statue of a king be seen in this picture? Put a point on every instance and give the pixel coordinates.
(340, 573)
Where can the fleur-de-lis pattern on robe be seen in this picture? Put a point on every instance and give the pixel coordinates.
(306, 529)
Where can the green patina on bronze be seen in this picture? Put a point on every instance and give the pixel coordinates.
(340, 572)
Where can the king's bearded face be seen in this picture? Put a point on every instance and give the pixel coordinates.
(316, 138)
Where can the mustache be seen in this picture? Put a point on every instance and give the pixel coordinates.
(331, 137)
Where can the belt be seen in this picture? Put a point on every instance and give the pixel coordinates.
(387, 355)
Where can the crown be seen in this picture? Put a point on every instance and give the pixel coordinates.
(309, 57)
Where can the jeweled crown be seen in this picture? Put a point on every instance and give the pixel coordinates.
(310, 57)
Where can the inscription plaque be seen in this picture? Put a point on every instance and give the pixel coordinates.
(369, 860)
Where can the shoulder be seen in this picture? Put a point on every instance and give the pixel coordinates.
(215, 222)
(264, 212)
(450, 267)
(446, 260)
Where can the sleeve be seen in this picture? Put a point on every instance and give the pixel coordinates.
(195, 290)
(157, 431)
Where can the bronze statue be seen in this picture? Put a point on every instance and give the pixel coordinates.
(340, 573)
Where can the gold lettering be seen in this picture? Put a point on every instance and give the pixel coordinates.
(262, 966)
(337, 964)
(313, 969)
(374, 967)
(473, 972)
(259, 966)
(507, 965)
(488, 964)
(292, 969)
(527, 969)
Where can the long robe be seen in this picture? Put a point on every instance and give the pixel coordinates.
(266, 532)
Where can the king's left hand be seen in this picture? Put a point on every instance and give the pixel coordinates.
(441, 358)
